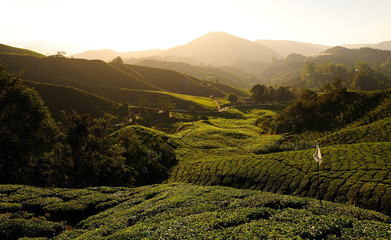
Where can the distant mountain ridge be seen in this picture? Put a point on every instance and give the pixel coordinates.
(386, 45)
(217, 48)
(285, 47)
(108, 54)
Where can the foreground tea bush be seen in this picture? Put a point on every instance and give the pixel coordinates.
(184, 211)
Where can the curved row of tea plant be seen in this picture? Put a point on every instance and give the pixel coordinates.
(179, 211)
(354, 173)
(379, 131)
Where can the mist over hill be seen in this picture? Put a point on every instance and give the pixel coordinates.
(220, 48)
(216, 48)
(108, 54)
(285, 47)
(386, 45)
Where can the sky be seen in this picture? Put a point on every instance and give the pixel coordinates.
(133, 25)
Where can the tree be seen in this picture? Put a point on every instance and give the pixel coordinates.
(88, 155)
(165, 104)
(150, 155)
(117, 60)
(259, 93)
(26, 129)
(233, 98)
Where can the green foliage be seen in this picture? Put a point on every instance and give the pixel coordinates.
(314, 72)
(261, 93)
(165, 104)
(331, 110)
(184, 211)
(233, 98)
(151, 154)
(293, 172)
(26, 129)
(61, 98)
(87, 154)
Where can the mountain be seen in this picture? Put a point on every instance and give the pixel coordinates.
(382, 45)
(220, 48)
(284, 47)
(216, 48)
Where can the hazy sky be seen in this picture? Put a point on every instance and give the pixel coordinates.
(128, 25)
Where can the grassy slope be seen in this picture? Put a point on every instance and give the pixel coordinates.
(179, 211)
(204, 73)
(72, 72)
(59, 98)
(18, 51)
(171, 80)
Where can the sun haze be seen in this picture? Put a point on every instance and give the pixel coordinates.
(153, 24)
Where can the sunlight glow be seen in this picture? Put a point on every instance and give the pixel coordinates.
(150, 24)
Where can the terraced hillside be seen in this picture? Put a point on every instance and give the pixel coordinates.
(178, 211)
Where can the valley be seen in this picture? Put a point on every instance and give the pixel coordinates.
(167, 164)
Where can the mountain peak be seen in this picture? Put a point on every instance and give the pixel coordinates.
(220, 48)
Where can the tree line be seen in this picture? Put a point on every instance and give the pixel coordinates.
(261, 93)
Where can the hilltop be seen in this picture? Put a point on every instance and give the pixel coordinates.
(220, 48)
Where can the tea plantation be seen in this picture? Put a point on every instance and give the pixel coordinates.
(179, 211)
(236, 153)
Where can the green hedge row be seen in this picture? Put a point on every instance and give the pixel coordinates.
(378, 131)
(356, 173)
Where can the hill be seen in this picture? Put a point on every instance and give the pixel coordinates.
(4, 49)
(236, 153)
(213, 74)
(288, 72)
(220, 48)
(171, 81)
(58, 98)
(285, 47)
(108, 54)
(382, 45)
(90, 75)
(72, 72)
(178, 211)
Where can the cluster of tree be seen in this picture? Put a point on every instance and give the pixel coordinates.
(332, 109)
(360, 77)
(261, 93)
(78, 151)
